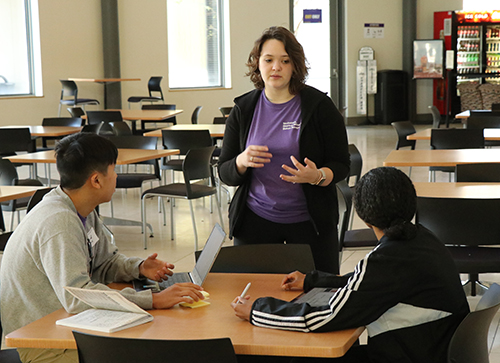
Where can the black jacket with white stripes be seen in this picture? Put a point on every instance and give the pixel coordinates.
(407, 293)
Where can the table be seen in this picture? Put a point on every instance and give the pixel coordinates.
(458, 190)
(49, 131)
(216, 130)
(489, 134)
(105, 82)
(147, 115)
(440, 157)
(214, 321)
(11, 192)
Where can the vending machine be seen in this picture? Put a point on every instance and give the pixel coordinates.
(474, 39)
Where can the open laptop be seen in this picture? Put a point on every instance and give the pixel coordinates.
(200, 271)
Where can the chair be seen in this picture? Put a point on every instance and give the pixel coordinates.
(454, 139)
(153, 87)
(120, 128)
(95, 117)
(69, 89)
(172, 120)
(60, 121)
(485, 122)
(480, 173)
(436, 117)
(469, 343)
(196, 166)
(9, 176)
(76, 111)
(354, 172)
(466, 227)
(225, 111)
(264, 259)
(106, 349)
(196, 113)
(36, 198)
(219, 120)
(403, 130)
(495, 107)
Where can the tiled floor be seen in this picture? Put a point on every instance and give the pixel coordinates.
(374, 143)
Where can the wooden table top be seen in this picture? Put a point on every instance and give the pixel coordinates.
(458, 190)
(103, 80)
(441, 157)
(216, 130)
(10, 192)
(489, 134)
(214, 321)
(41, 131)
(148, 115)
(125, 156)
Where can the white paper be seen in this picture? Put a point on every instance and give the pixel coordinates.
(103, 299)
(361, 87)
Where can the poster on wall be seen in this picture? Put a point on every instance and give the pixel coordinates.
(361, 83)
(371, 86)
(428, 59)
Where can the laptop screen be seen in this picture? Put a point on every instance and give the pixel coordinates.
(208, 255)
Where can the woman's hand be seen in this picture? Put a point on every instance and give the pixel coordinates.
(242, 307)
(307, 173)
(254, 156)
(293, 281)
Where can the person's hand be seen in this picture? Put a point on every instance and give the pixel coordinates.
(307, 173)
(254, 156)
(242, 307)
(155, 269)
(177, 293)
(293, 281)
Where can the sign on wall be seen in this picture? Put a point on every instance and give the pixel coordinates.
(312, 16)
(374, 30)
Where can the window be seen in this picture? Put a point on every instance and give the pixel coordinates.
(20, 68)
(197, 44)
(478, 5)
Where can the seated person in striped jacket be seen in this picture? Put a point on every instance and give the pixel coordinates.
(407, 291)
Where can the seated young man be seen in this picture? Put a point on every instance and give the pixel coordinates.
(407, 291)
(62, 242)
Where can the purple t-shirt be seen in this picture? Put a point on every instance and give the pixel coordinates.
(276, 126)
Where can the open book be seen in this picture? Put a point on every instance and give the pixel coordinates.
(111, 311)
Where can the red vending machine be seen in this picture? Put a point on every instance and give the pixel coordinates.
(474, 38)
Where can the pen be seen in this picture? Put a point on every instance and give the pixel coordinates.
(245, 290)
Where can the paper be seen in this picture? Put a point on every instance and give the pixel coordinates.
(199, 303)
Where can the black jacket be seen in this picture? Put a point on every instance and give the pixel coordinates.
(407, 293)
(323, 139)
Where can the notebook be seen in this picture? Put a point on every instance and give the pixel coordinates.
(317, 296)
(200, 271)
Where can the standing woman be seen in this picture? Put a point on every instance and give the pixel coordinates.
(285, 146)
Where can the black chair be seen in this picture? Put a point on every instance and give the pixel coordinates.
(225, 111)
(153, 88)
(469, 343)
(95, 117)
(403, 130)
(106, 349)
(454, 139)
(195, 167)
(495, 107)
(478, 173)
(36, 198)
(9, 176)
(219, 120)
(15, 139)
(69, 96)
(196, 113)
(466, 227)
(485, 122)
(263, 259)
(436, 117)
(172, 120)
(76, 111)
(120, 128)
(356, 165)
(60, 121)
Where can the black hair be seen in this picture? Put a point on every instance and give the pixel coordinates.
(386, 198)
(80, 155)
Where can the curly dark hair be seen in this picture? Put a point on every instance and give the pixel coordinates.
(294, 50)
(386, 198)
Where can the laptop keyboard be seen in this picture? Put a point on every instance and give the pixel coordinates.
(175, 279)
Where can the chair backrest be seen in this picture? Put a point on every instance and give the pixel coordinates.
(120, 128)
(184, 140)
(225, 110)
(219, 120)
(95, 117)
(91, 128)
(154, 86)
(356, 164)
(69, 89)
(196, 113)
(495, 107)
(460, 221)
(345, 207)
(15, 139)
(76, 111)
(4, 238)
(457, 138)
(8, 172)
(63, 121)
(404, 129)
(159, 106)
(483, 113)
(36, 198)
(264, 259)
(436, 117)
(483, 122)
(480, 173)
(105, 349)
(197, 165)
(470, 340)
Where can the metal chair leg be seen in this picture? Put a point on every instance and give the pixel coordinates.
(194, 225)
